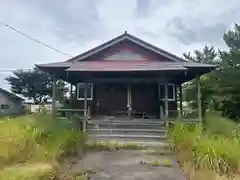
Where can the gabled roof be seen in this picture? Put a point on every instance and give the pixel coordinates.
(76, 63)
(122, 37)
(11, 95)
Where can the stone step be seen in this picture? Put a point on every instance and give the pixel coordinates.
(152, 122)
(159, 146)
(128, 137)
(144, 132)
(125, 126)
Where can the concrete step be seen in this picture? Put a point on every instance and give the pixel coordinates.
(153, 122)
(157, 145)
(144, 138)
(125, 126)
(127, 131)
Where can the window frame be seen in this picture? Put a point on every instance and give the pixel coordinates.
(4, 106)
(173, 88)
(91, 91)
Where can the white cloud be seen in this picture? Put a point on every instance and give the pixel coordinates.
(75, 26)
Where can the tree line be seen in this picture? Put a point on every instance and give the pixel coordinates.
(36, 85)
(220, 89)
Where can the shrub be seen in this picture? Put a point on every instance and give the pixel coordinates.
(183, 136)
(221, 154)
(219, 126)
(38, 138)
(215, 147)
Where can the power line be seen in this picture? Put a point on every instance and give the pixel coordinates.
(33, 39)
(7, 70)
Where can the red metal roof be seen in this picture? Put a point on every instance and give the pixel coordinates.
(134, 65)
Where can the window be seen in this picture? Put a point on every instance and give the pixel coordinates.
(171, 92)
(4, 106)
(80, 91)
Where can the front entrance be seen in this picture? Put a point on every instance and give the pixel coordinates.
(145, 99)
(111, 99)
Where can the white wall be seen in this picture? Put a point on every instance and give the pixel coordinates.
(34, 107)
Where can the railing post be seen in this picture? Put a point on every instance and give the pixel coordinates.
(71, 92)
(180, 99)
(166, 103)
(54, 97)
(85, 107)
(161, 113)
(199, 100)
(129, 99)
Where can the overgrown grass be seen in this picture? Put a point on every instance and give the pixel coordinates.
(35, 145)
(113, 146)
(214, 147)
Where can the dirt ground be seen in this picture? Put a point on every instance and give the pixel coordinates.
(128, 165)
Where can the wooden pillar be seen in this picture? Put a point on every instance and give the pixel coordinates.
(199, 100)
(180, 99)
(166, 103)
(71, 92)
(85, 107)
(129, 100)
(54, 97)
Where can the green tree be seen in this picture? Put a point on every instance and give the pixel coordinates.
(208, 56)
(34, 84)
(229, 74)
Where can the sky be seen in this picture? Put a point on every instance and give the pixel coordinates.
(75, 26)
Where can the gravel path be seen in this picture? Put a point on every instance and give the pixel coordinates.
(128, 165)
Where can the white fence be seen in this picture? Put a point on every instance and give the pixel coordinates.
(33, 108)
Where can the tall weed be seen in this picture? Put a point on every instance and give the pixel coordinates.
(38, 138)
(216, 146)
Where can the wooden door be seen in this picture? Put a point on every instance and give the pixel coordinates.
(145, 99)
(111, 99)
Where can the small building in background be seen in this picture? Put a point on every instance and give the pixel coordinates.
(31, 107)
(10, 103)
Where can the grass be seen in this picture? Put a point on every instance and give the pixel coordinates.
(167, 163)
(214, 147)
(32, 171)
(155, 163)
(113, 146)
(33, 146)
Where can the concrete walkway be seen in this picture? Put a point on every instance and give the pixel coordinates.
(129, 165)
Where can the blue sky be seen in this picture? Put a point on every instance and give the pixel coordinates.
(75, 26)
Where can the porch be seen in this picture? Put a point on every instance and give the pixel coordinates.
(127, 96)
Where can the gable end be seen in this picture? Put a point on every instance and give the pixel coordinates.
(132, 39)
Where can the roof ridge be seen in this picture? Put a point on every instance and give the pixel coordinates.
(132, 38)
(10, 93)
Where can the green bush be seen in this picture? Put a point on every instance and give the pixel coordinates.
(219, 126)
(215, 146)
(184, 136)
(38, 139)
(220, 154)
